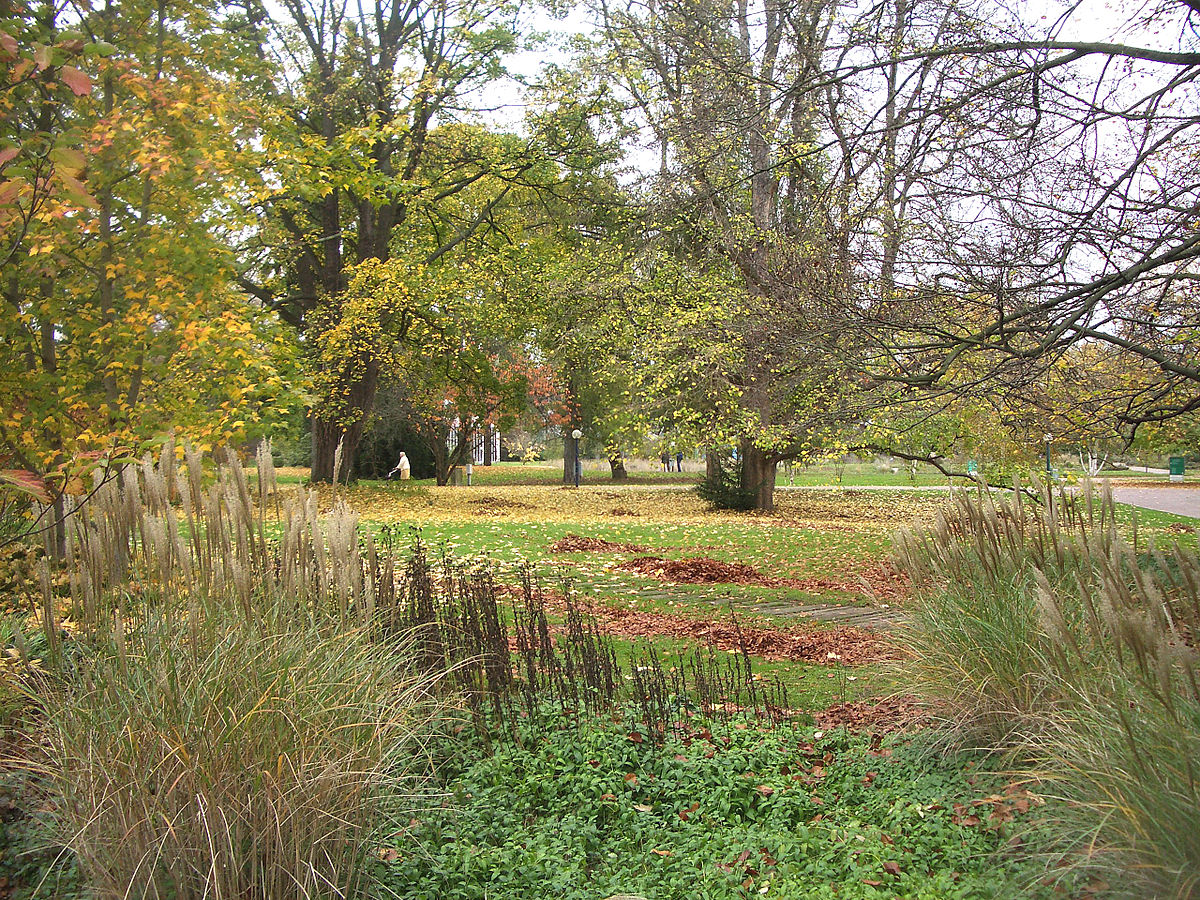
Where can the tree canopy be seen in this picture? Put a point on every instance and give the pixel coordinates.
(768, 229)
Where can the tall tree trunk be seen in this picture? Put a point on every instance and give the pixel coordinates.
(447, 459)
(489, 435)
(358, 399)
(441, 458)
(570, 454)
(617, 464)
(326, 436)
(758, 475)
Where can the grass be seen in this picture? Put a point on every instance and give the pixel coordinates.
(550, 472)
(649, 472)
(1153, 524)
(820, 537)
(811, 687)
(789, 553)
(530, 817)
(811, 535)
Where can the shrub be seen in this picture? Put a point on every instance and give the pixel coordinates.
(723, 488)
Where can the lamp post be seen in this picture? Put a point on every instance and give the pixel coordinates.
(1048, 437)
(576, 434)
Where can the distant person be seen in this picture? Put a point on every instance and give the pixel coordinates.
(665, 459)
(679, 461)
(402, 466)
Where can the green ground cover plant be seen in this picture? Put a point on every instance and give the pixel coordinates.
(585, 809)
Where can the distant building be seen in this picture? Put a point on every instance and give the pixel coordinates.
(479, 444)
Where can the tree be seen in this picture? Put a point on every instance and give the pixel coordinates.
(1067, 218)
(119, 318)
(463, 367)
(729, 94)
(367, 162)
(587, 341)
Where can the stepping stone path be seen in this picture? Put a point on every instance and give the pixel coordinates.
(858, 616)
(838, 614)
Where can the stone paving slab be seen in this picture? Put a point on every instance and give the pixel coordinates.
(834, 613)
(859, 616)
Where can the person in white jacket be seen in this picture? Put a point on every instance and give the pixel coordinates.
(403, 467)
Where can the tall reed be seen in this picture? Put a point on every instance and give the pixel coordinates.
(229, 723)
(228, 760)
(1054, 632)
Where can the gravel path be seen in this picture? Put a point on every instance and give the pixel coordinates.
(1183, 501)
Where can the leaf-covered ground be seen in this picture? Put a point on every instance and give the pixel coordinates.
(699, 565)
(842, 646)
(665, 569)
(817, 547)
(393, 501)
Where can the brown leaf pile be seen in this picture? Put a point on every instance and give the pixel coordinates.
(695, 570)
(877, 581)
(803, 643)
(577, 543)
(881, 716)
